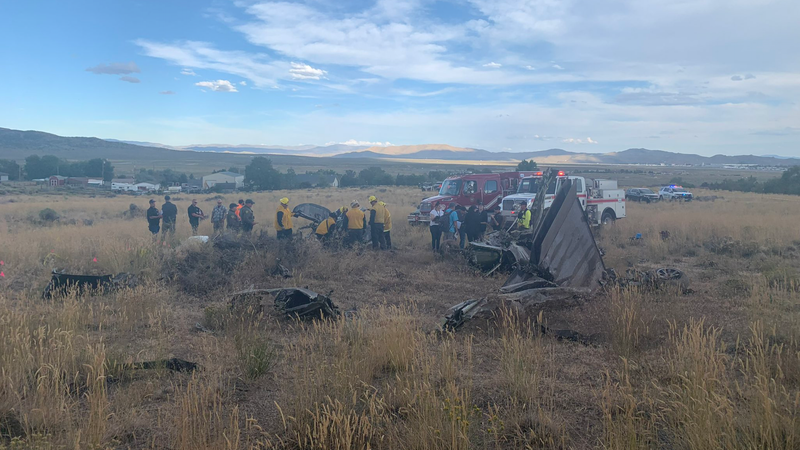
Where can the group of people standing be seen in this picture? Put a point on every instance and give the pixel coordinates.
(238, 218)
(349, 223)
(455, 222)
(353, 223)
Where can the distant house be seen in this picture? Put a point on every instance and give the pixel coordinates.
(147, 187)
(93, 182)
(315, 179)
(3, 176)
(57, 180)
(77, 181)
(128, 180)
(209, 181)
(128, 187)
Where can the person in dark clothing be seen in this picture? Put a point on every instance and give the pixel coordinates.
(169, 215)
(484, 220)
(496, 219)
(153, 219)
(195, 214)
(462, 230)
(472, 224)
(234, 223)
(247, 216)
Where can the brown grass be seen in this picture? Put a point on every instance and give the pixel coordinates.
(717, 368)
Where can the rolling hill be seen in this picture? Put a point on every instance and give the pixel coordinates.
(16, 144)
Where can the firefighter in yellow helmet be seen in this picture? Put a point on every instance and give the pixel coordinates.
(354, 223)
(524, 217)
(326, 228)
(283, 220)
(377, 218)
(387, 227)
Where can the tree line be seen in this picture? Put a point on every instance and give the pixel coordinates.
(787, 183)
(37, 167)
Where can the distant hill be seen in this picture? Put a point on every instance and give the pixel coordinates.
(15, 144)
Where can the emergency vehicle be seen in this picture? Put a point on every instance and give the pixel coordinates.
(602, 200)
(673, 192)
(468, 190)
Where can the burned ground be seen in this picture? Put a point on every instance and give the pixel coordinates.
(712, 368)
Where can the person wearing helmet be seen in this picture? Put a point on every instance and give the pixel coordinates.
(377, 217)
(247, 216)
(326, 229)
(354, 223)
(283, 220)
(387, 227)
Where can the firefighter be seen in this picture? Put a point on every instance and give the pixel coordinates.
(377, 218)
(387, 227)
(524, 218)
(283, 220)
(355, 222)
(327, 228)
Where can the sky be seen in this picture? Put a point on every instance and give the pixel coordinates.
(691, 76)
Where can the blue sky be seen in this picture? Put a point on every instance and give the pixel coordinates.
(699, 76)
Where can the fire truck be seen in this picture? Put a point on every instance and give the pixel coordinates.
(471, 189)
(602, 200)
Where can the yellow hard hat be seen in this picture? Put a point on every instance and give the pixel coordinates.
(284, 201)
(372, 198)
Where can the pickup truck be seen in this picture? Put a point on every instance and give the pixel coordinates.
(601, 199)
(471, 189)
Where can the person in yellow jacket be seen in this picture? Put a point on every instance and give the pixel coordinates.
(327, 228)
(377, 218)
(387, 226)
(283, 220)
(354, 222)
(524, 218)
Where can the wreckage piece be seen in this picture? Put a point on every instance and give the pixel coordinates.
(563, 246)
(304, 303)
(522, 280)
(61, 283)
(490, 257)
(313, 212)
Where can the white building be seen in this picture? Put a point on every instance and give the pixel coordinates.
(123, 187)
(3, 176)
(147, 187)
(236, 179)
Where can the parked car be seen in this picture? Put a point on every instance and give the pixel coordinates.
(674, 193)
(641, 195)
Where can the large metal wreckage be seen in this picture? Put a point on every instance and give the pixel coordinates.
(556, 265)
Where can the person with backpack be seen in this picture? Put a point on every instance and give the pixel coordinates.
(472, 224)
(451, 221)
(436, 225)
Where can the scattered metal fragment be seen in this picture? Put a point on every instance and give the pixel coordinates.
(173, 364)
(61, 283)
(304, 303)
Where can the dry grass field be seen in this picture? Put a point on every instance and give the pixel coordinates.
(715, 368)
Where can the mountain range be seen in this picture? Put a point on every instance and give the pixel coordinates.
(16, 144)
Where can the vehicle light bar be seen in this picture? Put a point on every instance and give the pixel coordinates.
(561, 173)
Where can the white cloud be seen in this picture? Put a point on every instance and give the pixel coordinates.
(130, 79)
(259, 69)
(530, 67)
(737, 78)
(588, 140)
(218, 86)
(300, 71)
(115, 69)
(355, 143)
(493, 65)
(556, 66)
(243, 83)
(188, 72)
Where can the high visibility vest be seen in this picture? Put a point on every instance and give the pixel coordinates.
(387, 224)
(380, 213)
(239, 211)
(287, 218)
(355, 219)
(524, 219)
(323, 228)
